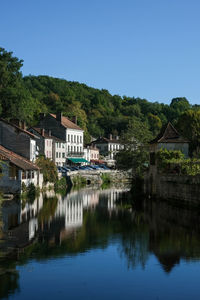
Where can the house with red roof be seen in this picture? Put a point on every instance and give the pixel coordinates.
(15, 170)
(67, 130)
(15, 137)
(50, 146)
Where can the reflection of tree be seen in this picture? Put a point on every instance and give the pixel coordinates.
(49, 208)
(9, 283)
(134, 248)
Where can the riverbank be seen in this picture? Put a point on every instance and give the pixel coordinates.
(98, 177)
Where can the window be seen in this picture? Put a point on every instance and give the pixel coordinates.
(59, 155)
(74, 148)
(77, 138)
(33, 174)
(77, 149)
(63, 155)
(29, 174)
(68, 138)
(56, 154)
(71, 138)
(68, 149)
(12, 171)
(80, 139)
(63, 145)
(71, 149)
(152, 158)
(24, 175)
(74, 138)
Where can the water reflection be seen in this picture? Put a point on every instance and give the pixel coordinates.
(54, 226)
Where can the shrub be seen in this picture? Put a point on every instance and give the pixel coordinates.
(48, 168)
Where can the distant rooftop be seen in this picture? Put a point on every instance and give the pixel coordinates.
(19, 128)
(47, 135)
(103, 140)
(169, 134)
(67, 123)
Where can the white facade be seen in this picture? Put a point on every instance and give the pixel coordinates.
(60, 153)
(87, 154)
(74, 142)
(32, 150)
(48, 148)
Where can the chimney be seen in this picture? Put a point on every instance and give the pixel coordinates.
(42, 131)
(74, 119)
(59, 117)
(110, 136)
(42, 115)
(23, 125)
(49, 132)
(16, 122)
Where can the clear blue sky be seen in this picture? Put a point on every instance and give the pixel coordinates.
(141, 48)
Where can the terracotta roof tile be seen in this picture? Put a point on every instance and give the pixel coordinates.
(20, 129)
(46, 135)
(16, 159)
(67, 123)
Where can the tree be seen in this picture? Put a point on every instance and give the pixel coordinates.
(189, 126)
(135, 153)
(48, 168)
(15, 99)
(154, 123)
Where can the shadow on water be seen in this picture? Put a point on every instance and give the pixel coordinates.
(55, 226)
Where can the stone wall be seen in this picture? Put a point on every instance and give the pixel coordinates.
(184, 189)
(95, 177)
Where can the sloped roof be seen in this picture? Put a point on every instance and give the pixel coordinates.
(169, 134)
(104, 140)
(67, 123)
(20, 129)
(16, 159)
(46, 135)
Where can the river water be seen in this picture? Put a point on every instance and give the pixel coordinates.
(92, 244)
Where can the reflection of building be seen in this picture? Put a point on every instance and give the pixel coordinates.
(71, 209)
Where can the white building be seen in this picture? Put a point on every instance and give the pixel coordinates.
(64, 129)
(16, 170)
(108, 147)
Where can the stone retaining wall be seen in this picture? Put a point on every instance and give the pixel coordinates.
(185, 189)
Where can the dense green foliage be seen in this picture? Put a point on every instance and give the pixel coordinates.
(135, 153)
(98, 112)
(173, 161)
(48, 168)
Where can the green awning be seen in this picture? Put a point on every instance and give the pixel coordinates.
(78, 160)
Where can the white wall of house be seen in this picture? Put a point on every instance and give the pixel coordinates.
(87, 154)
(29, 177)
(94, 154)
(48, 148)
(74, 139)
(60, 154)
(32, 150)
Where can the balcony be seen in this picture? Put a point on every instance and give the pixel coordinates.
(75, 154)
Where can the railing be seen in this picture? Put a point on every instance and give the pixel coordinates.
(75, 154)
